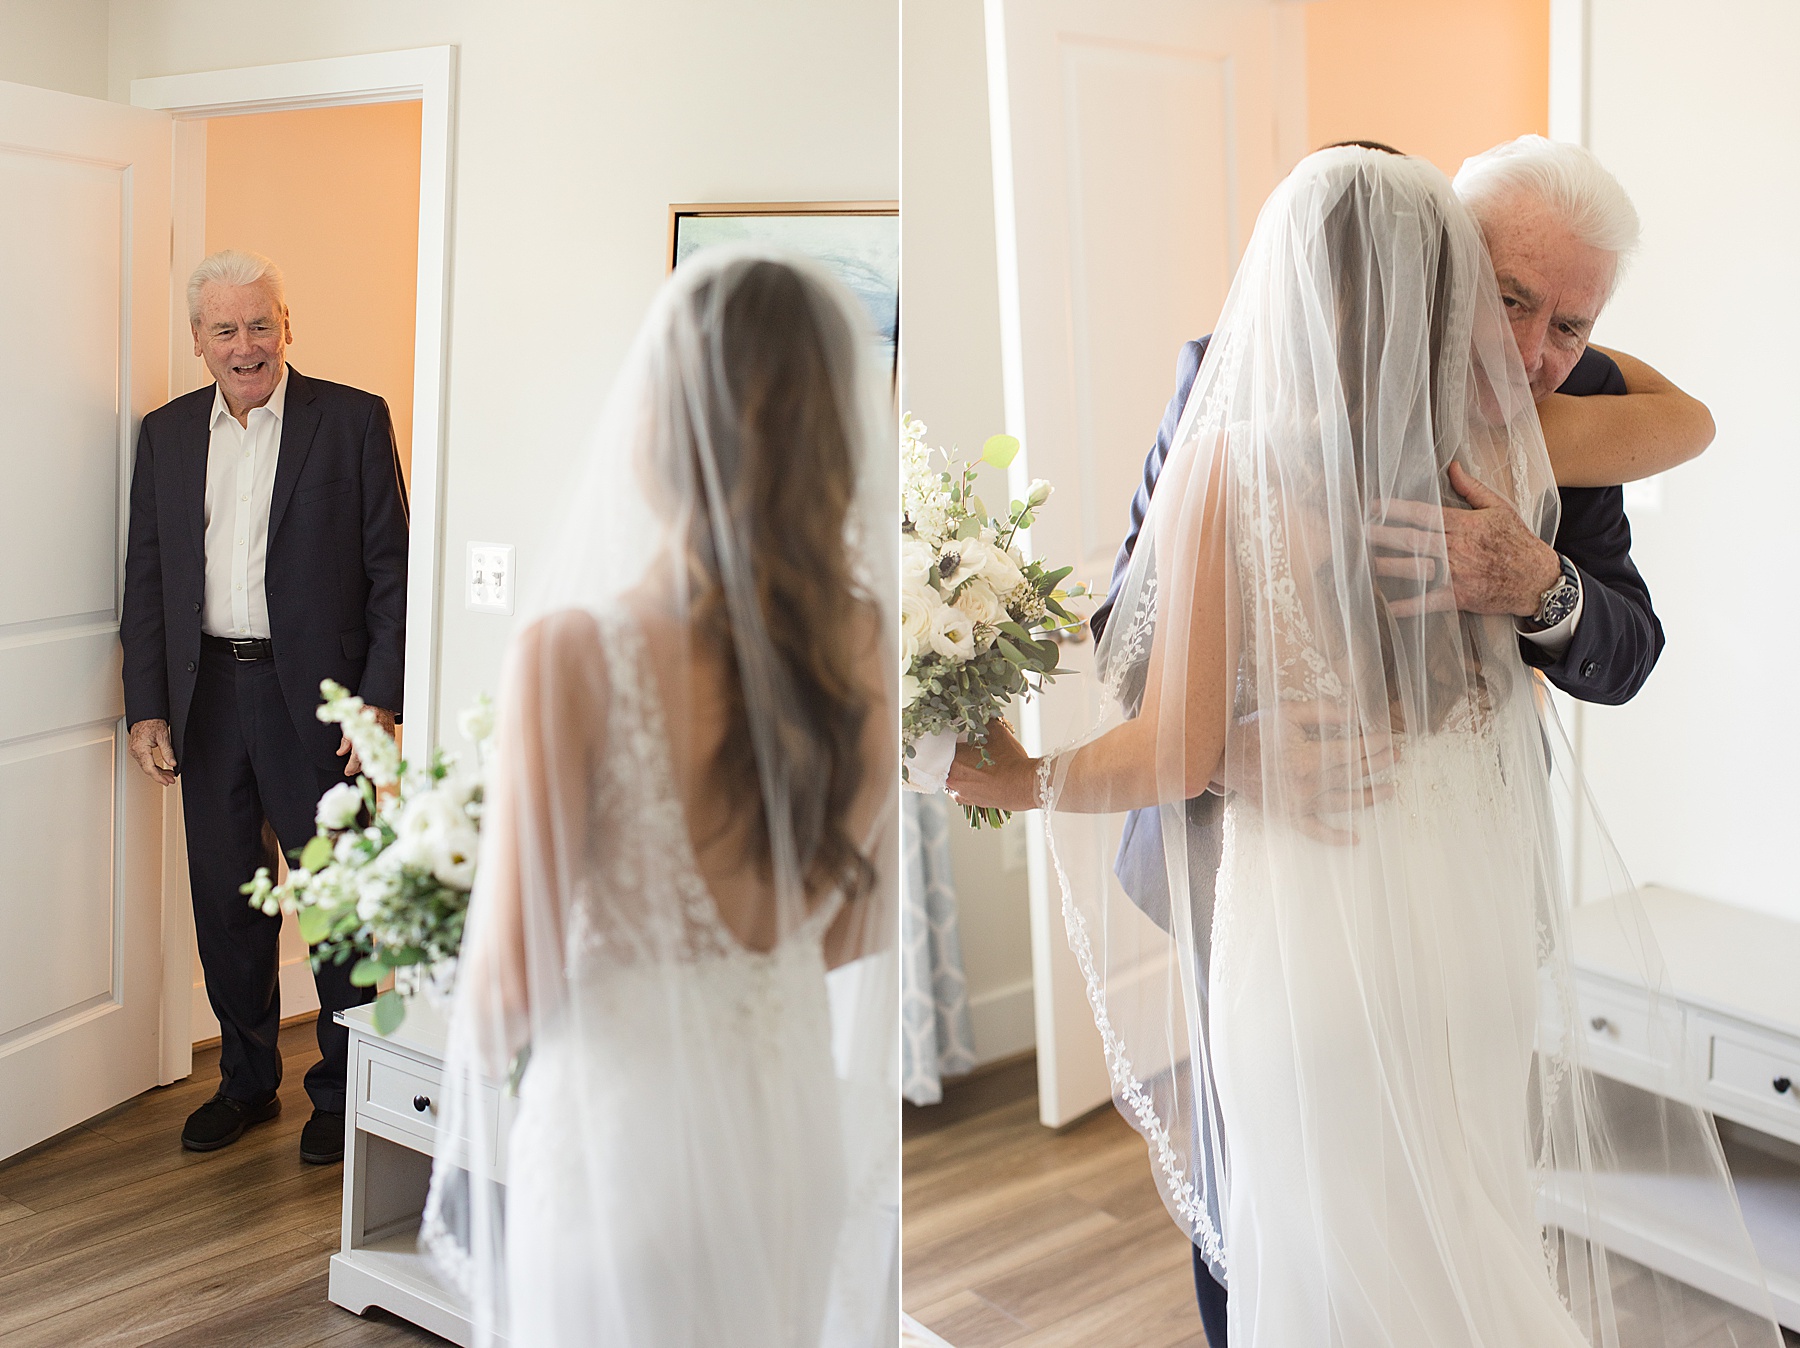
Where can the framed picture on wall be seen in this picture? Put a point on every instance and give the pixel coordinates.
(858, 240)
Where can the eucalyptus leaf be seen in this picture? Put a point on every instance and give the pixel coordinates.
(366, 973)
(969, 528)
(315, 924)
(1000, 450)
(1011, 652)
(316, 855)
(390, 1010)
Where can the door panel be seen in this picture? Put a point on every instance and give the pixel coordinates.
(84, 296)
(1133, 145)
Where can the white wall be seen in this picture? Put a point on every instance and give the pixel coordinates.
(1697, 111)
(950, 378)
(577, 123)
(55, 44)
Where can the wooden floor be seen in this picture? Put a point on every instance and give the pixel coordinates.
(112, 1235)
(1018, 1235)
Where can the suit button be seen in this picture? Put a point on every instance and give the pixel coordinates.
(1591, 668)
(196, 608)
(190, 666)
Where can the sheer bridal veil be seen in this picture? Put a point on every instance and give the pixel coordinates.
(1382, 856)
(724, 1139)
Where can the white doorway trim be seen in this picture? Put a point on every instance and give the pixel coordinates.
(426, 75)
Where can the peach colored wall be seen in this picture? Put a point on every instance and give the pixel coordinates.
(332, 195)
(1442, 79)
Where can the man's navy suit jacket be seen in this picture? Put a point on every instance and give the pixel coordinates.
(335, 574)
(1615, 645)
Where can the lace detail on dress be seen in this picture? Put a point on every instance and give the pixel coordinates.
(1128, 1091)
(643, 898)
(1298, 664)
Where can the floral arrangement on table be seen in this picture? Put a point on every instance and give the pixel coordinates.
(386, 880)
(978, 623)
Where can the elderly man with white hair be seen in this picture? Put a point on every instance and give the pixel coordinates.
(1558, 228)
(266, 552)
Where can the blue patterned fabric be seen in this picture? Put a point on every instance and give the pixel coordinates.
(934, 995)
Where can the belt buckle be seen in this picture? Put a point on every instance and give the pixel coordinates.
(247, 652)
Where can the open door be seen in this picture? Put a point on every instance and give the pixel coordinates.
(84, 330)
(1134, 142)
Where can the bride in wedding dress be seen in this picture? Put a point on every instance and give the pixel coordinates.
(1354, 1050)
(671, 1096)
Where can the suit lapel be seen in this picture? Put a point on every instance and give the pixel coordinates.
(299, 423)
(196, 442)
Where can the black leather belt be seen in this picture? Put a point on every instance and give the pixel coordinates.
(254, 648)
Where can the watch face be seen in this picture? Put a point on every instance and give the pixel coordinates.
(1560, 599)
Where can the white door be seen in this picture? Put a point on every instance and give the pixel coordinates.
(84, 324)
(1134, 141)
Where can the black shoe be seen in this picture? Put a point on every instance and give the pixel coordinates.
(322, 1140)
(221, 1121)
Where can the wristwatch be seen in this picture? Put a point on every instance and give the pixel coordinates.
(1559, 601)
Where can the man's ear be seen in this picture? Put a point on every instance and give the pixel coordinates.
(287, 327)
(199, 349)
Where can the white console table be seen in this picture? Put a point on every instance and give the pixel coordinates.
(1734, 979)
(391, 1133)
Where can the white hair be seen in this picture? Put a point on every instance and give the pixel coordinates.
(232, 267)
(1567, 178)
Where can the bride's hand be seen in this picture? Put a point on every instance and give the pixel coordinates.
(1007, 781)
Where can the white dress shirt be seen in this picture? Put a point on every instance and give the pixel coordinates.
(240, 484)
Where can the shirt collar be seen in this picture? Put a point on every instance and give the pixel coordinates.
(277, 404)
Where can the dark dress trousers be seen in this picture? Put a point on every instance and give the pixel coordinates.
(1614, 648)
(248, 745)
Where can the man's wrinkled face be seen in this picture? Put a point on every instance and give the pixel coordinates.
(1552, 284)
(243, 334)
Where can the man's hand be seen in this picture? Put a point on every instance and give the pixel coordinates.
(1326, 764)
(1007, 781)
(154, 751)
(354, 766)
(1480, 560)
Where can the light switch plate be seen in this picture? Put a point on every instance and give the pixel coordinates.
(491, 577)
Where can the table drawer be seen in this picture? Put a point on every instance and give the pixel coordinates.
(1751, 1076)
(400, 1091)
(1619, 1031)
(404, 1093)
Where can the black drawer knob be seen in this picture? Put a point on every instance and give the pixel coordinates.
(1782, 1085)
(1599, 1023)
(421, 1103)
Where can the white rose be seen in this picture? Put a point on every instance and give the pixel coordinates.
(917, 561)
(339, 807)
(978, 600)
(952, 634)
(910, 690)
(917, 603)
(477, 722)
(1037, 493)
(439, 838)
(999, 569)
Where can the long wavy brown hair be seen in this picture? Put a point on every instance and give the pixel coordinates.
(772, 397)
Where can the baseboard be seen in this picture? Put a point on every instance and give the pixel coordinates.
(1004, 1021)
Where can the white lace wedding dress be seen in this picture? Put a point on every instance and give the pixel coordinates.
(1405, 1217)
(631, 1220)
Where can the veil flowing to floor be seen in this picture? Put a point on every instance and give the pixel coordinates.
(1353, 1000)
(722, 1111)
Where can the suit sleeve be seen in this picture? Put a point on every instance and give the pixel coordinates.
(1618, 640)
(384, 541)
(141, 623)
(1187, 369)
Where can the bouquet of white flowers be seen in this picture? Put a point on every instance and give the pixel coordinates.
(977, 621)
(386, 879)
